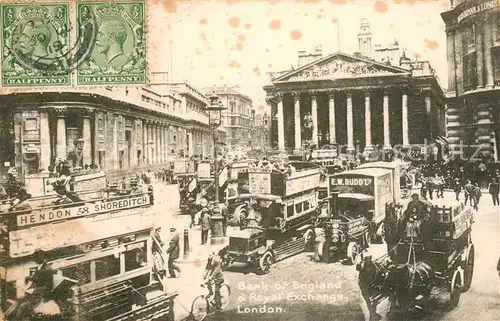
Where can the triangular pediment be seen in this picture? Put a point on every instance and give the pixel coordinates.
(338, 66)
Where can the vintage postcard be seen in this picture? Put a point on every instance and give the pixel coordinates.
(232, 160)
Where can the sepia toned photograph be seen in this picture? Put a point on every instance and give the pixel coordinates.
(245, 160)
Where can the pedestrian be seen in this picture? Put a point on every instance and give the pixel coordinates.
(173, 253)
(225, 217)
(205, 225)
(430, 188)
(439, 184)
(424, 189)
(192, 210)
(457, 188)
(494, 190)
(477, 195)
(468, 191)
(213, 276)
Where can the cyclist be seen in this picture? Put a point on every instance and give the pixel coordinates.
(213, 274)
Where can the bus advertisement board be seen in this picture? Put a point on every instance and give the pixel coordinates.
(353, 183)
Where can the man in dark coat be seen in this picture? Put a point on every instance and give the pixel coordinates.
(469, 192)
(494, 190)
(205, 225)
(457, 188)
(173, 253)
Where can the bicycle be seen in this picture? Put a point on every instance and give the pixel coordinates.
(203, 304)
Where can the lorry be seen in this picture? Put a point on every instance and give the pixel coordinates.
(368, 191)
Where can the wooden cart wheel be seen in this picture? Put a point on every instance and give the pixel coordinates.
(468, 268)
(265, 262)
(352, 252)
(309, 239)
(455, 289)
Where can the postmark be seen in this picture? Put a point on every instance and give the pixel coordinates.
(35, 45)
(119, 54)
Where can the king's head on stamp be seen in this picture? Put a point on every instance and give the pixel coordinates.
(35, 39)
(110, 39)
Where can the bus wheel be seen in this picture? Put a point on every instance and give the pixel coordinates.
(309, 239)
(265, 262)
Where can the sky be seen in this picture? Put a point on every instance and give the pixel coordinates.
(216, 42)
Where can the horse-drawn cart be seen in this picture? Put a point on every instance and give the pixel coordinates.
(436, 253)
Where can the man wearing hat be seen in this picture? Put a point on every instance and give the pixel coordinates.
(457, 188)
(205, 225)
(173, 253)
(191, 204)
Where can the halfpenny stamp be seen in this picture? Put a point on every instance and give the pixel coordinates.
(35, 45)
(119, 53)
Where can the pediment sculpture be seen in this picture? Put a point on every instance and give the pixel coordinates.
(338, 67)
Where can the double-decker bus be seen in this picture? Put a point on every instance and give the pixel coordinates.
(277, 217)
(100, 259)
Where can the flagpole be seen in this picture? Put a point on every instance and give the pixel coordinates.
(338, 36)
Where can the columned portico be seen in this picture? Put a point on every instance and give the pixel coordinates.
(369, 105)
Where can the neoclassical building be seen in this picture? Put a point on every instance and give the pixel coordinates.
(473, 55)
(116, 129)
(356, 101)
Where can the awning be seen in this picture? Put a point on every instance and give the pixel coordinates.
(358, 196)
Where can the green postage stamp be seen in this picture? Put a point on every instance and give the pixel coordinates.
(35, 45)
(118, 46)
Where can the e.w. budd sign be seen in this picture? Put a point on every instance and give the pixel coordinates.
(56, 214)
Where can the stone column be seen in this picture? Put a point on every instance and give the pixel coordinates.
(149, 146)
(190, 143)
(45, 155)
(61, 133)
(331, 116)
(297, 118)
(156, 145)
(450, 52)
(368, 123)
(87, 138)
(428, 111)
(134, 162)
(459, 72)
(484, 127)
(488, 43)
(387, 137)
(160, 144)
(404, 118)
(281, 125)
(314, 115)
(479, 55)
(144, 143)
(114, 152)
(350, 126)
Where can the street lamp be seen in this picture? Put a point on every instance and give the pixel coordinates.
(215, 109)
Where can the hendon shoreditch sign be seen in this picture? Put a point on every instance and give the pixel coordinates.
(473, 10)
(51, 214)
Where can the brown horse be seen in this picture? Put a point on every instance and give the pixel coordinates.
(410, 283)
(371, 281)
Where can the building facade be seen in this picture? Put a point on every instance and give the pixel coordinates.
(236, 117)
(355, 101)
(260, 131)
(473, 55)
(115, 129)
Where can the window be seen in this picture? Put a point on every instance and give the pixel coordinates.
(135, 257)
(79, 272)
(306, 205)
(107, 266)
(289, 210)
(298, 207)
(471, 34)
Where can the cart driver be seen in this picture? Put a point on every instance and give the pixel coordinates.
(213, 275)
(415, 217)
